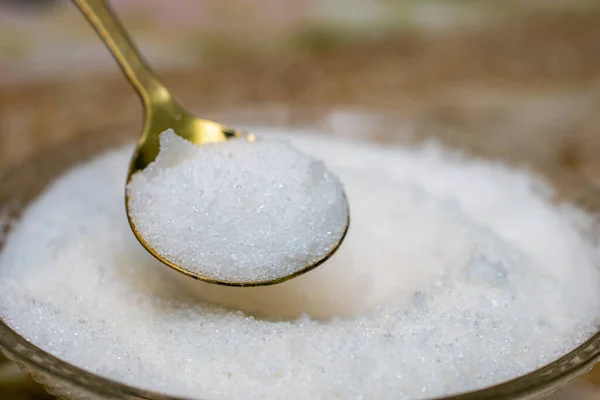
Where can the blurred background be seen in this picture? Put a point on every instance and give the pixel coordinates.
(528, 69)
(525, 68)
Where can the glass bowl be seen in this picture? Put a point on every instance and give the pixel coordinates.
(25, 182)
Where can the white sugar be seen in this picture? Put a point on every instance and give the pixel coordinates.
(456, 274)
(238, 211)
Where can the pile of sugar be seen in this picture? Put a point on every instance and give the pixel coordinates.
(238, 211)
(461, 273)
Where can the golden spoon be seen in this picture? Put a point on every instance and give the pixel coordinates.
(162, 112)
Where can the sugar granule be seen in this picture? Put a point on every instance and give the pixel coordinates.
(457, 274)
(238, 211)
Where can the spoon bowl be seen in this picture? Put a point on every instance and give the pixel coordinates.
(170, 115)
(162, 112)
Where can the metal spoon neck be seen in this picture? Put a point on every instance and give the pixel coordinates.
(105, 22)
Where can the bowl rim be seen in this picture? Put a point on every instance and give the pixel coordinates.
(39, 363)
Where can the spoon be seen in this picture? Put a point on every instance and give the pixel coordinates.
(162, 112)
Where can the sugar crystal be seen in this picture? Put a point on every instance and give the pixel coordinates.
(238, 211)
(457, 274)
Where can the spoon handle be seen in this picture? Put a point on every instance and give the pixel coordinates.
(113, 34)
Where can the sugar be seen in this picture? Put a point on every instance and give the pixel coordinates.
(456, 274)
(238, 211)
